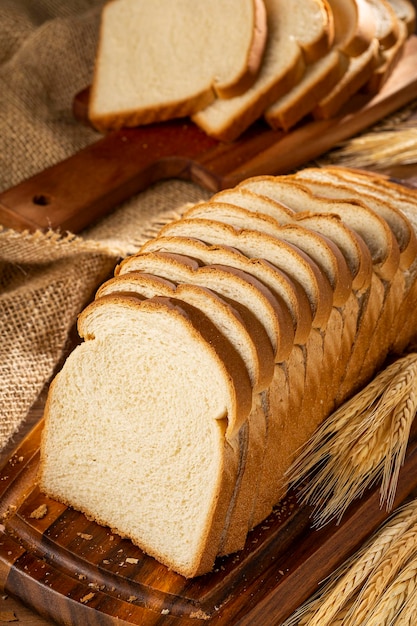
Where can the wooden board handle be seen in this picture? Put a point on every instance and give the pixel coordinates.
(86, 186)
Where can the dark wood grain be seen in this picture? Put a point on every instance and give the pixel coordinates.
(88, 185)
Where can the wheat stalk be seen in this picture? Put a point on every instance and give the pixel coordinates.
(403, 549)
(382, 149)
(361, 442)
(392, 141)
(335, 599)
(395, 596)
(408, 614)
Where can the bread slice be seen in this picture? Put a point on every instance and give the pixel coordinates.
(301, 99)
(386, 23)
(358, 73)
(240, 327)
(182, 465)
(297, 35)
(137, 77)
(354, 25)
(353, 33)
(388, 60)
(406, 11)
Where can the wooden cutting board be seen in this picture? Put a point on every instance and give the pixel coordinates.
(88, 185)
(73, 571)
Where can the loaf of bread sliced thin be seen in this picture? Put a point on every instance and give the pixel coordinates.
(213, 464)
(298, 34)
(161, 59)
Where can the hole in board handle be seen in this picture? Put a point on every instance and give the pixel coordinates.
(41, 199)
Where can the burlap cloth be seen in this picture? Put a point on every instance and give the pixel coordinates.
(47, 52)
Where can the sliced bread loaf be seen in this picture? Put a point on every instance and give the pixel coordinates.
(217, 458)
